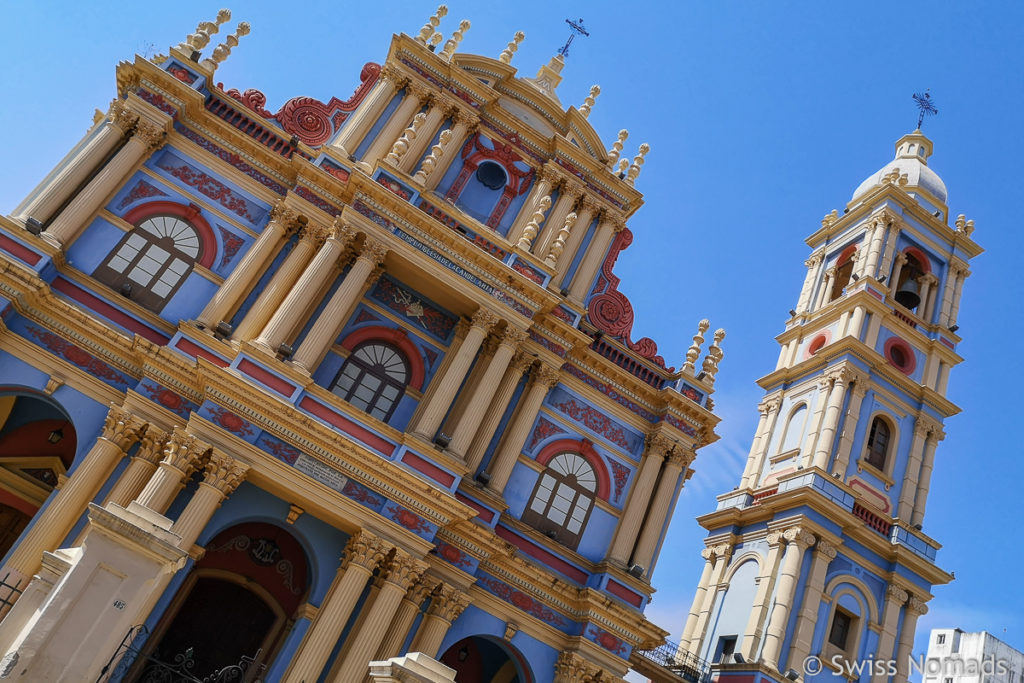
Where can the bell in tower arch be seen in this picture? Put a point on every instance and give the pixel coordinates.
(909, 295)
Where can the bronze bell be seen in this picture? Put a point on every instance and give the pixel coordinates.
(908, 295)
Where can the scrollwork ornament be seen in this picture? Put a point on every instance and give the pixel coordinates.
(365, 550)
(374, 251)
(151, 136)
(122, 428)
(799, 537)
(448, 602)
(122, 117)
(917, 606)
(546, 375)
(185, 452)
(404, 570)
(224, 473)
(896, 594)
(484, 318)
(659, 445)
(827, 550)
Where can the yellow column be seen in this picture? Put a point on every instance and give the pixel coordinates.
(48, 199)
(826, 288)
(448, 384)
(362, 555)
(751, 471)
(929, 295)
(547, 178)
(359, 123)
(921, 495)
(391, 645)
(146, 138)
(698, 600)
(312, 280)
(507, 455)
(915, 608)
(824, 386)
(765, 586)
(567, 198)
(585, 216)
(269, 300)
(895, 597)
(910, 477)
(824, 553)
(183, 455)
(954, 310)
(875, 247)
(140, 467)
(812, 274)
(654, 523)
(337, 311)
(120, 430)
(484, 391)
(446, 605)
(402, 571)
(639, 497)
(496, 410)
(952, 277)
(890, 248)
(766, 441)
(722, 554)
(842, 378)
(415, 95)
(856, 322)
(252, 265)
(597, 250)
(797, 541)
(223, 474)
(464, 123)
(898, 261)
(859, 390)
(436, 115)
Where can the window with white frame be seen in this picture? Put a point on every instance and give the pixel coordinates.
(373, 378)
(563, 498)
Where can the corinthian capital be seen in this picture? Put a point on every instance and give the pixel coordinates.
(185, 452)
(122, 117)
(373, 251)
(404, 570)
(365, 550)
(659, 445)
(284, 215)
(513, 336)
(150, 135)
(122, 428)
(484, 318)
(448, 602)
(224, 473)
(546, 375)
(151, 444)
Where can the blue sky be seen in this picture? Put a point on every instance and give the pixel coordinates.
(761, 117)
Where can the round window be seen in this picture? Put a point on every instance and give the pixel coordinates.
(491, 175)
(899, 353)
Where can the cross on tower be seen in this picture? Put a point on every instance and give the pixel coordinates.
(925, 105)
(575, 27)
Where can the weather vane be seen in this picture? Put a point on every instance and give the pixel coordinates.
(576, 27)
(925, 105)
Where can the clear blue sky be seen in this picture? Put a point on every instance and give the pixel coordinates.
(761, 117)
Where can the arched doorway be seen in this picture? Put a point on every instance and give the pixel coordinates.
(37, 446)
(482, 659)
(239, 600)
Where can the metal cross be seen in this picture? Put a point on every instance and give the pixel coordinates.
(925, 105)
(575, 27)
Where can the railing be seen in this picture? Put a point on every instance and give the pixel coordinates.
(872, 520)
(761, 495)
(254, 129)
(629, 364)
(686, 665)
(905, 318)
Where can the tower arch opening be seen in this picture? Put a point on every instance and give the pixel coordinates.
(484, 659)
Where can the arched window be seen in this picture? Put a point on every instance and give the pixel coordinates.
(563, 498)
(878, 444)
(844, 271)
(484, 189)
(908, 290)
(373, 378)
(794, 429)
(152, 261)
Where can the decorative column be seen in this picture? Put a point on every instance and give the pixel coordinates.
(391, 645)
(807, 448)
(48, 199)
(766, 441)
(952, 277)
(144, 140)
(597, 250)
(921, 496)
(875, 247)
(415, 95)
(751, 471)
(890, 247)
(402, 571)
(954, 310)
(567, 198)
(584, 217)
(362, 119)
(484, 391)
(826, 288)
(723, 553)
(856, 322)
(183, 455)
(121, 429)
(140, 468)
(698, 599)
(658, 445)
(827, 434)
(436, 115)
(282, 221)
(675, 462)
(797, 541)
(483, 320)
(496, 410)
(754, 630)
(464, 123)
(929, 292)
(859, 390)
(337, 311)
(812, 274)
(898, 262)
(895, 597)
(573, 668)
(362, 555)
(222, 476)
(312, 281)
(446, 605)
(547, 178)
(908, 490)
(505, 458)
(914, 609)
(824, 553)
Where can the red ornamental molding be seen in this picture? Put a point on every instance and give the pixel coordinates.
(392, 336)
(473, 154)
(921, 257)
(585, 449)
(610, 310)
(186, 212)
(309, 119)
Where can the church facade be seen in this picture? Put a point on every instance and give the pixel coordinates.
(317, 387)
(818, 564)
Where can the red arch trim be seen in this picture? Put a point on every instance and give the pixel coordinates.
(926, 264)
(846, 255)
(586, 449)
(397, 337)
(186, 212)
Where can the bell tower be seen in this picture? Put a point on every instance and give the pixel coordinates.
(822, 550)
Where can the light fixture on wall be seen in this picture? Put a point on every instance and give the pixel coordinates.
(33, 225)
(636, 570)
(791, 674)
(57, 435)
(463, 654)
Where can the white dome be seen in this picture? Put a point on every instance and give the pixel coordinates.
(912, 152)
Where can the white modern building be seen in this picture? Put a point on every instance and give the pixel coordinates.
(955, 656)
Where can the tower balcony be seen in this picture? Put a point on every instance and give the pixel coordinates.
(666, 664)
